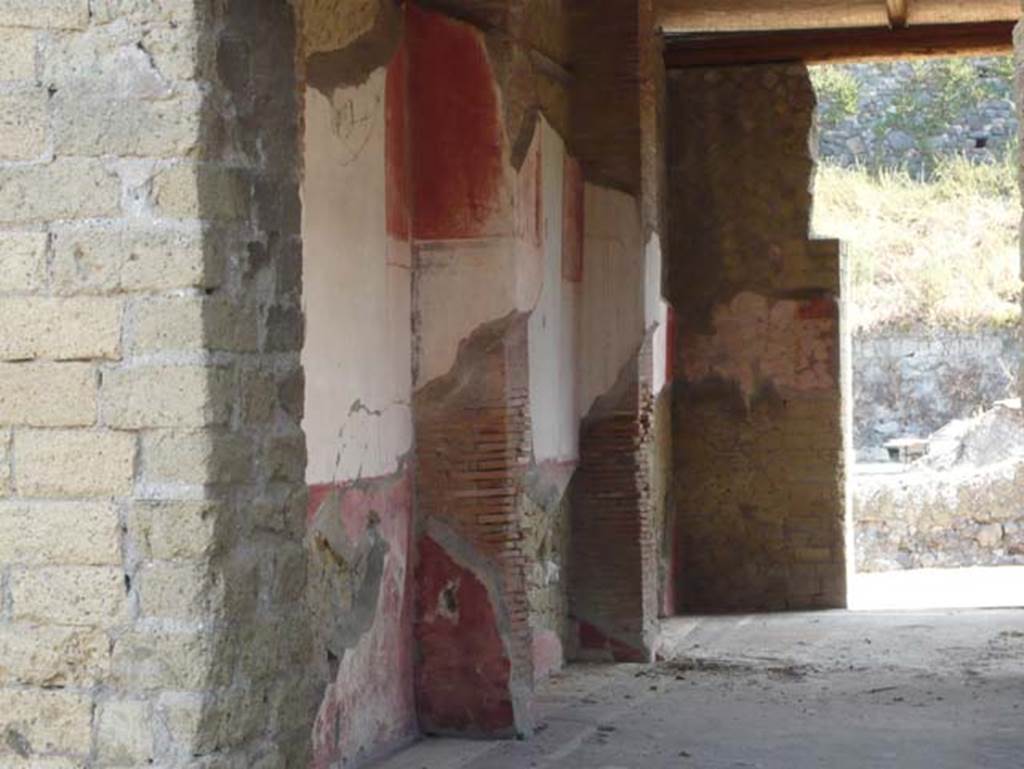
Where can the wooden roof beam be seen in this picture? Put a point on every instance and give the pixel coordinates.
(898, 12)
(832, 45)
(763, 15)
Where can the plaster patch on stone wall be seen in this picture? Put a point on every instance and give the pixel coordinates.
(493, 277)
(359, 537)
(789, 344)
(545, 512)
(656, 313)
(757, 406)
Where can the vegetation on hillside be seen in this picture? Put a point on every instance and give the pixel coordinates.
(929, 96)
(943, 252)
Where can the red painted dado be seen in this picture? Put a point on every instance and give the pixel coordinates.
(370, 706)
(572, 212)
(458, 624)
(819, 308)
(670, 344)
(593, 640)
(396, 150)
(548, 655)
(456, 132)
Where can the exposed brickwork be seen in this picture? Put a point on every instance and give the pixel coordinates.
(613, 571)
(757, 409)
(472, 452)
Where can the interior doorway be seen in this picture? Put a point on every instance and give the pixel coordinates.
(917, 176)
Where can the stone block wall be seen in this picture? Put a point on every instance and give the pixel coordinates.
(150, 522)
(911, 382)
(939, 519)
(910, 113)
(757, 427)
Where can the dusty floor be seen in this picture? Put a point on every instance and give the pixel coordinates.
(930, 689)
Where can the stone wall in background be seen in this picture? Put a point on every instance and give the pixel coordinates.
(907, 113)
(958, 506)
(921, 520)
(909, 383)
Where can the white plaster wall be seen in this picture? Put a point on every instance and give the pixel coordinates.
(656, 312)
(461, 285)
(356, 293)
(613, 293)
(552, 354)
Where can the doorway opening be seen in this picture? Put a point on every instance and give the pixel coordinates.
(917, 176)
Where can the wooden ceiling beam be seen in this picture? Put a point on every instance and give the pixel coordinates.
(833, 45)
(962, 11)
(898, 13)
(749, 15)
(762, 15)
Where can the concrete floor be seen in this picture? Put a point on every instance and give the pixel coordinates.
(929, 689)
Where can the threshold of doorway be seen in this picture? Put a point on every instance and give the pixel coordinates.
(974, 587)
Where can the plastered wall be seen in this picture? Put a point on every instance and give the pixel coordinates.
(358, 418)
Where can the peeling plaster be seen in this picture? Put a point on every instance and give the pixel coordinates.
(758, 340)
(347, 40)
(459, 621)
(362, 606)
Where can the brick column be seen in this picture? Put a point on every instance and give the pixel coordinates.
(613, 573)
(470, 407)
(758, 457)
(151, 566)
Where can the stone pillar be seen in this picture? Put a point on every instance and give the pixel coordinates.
(613, 572)
(759, 460)
(151, 498)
